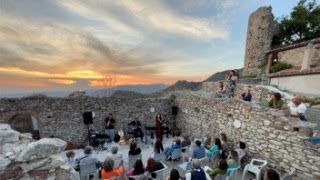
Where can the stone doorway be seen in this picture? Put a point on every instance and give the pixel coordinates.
(25, 123)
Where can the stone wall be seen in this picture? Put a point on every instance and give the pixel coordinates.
(268, 135)
(261, 29)
(62, 117)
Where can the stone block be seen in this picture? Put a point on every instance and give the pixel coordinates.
(41, 149)
(9, 135)
(4, 162)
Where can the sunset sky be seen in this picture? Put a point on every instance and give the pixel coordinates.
(68, 44)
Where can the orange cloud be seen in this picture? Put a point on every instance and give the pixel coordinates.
(62, 81)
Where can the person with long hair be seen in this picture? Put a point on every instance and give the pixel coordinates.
(221, 90)
(276, 102)
(271, 174)
(221, 169)
(159, 123)
(223, 140)
(216, 147)
(232, 82)
(134, 150)
(174, 175)
(233, 161)
(138, 169)
(107, 172)
(158, 146)
(152, 166)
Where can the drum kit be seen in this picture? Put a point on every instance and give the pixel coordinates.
(98, 140)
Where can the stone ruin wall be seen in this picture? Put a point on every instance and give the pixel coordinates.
(268, 136)
(295, 56)
(261, 29)
(62, 117)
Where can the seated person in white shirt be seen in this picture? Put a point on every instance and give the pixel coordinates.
(297, 108)
(241, 146)
(117, 158)
(197, 172)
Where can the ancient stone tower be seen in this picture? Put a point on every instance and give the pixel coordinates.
(261, 29)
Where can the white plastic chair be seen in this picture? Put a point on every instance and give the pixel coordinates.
(175, 154)
(133, 159)
(255, 166)
(159, 156)
(137, 177)
(202, 161)
(88, 169)
(288, 176)
(221, 177)
(186, 166)
(233, 172)
(160, 174)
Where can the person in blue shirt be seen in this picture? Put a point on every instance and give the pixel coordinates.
(199, 152)
(176, 145)
(246, 96)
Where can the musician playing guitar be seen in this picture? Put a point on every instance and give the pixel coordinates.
(159, 130)
(110, 126)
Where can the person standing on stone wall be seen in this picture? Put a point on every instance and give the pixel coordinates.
(232, 82)
(110, 126)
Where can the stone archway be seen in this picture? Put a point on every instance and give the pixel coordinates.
(25, 123)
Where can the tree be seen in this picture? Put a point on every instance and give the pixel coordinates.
(302, 24)
(108, 81)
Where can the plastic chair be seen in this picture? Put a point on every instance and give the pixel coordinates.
(255, 168)
(233, 172)
(133, 159)
(137, 177)
(160, 174)
(186, 166)
(288, 176)
(87, 169)
(159, 156)
(202, 161)
(175, 154)
(221, 177)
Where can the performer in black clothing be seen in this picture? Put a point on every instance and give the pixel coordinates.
(136, 128)
(110, 122)
(110, 126)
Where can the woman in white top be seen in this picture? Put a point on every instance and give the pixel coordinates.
(232, 82)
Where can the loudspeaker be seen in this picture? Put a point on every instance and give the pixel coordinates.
(174, 110)
(87, 118)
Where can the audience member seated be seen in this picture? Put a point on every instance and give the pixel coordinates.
(186, 141)
(87, 158)
(276, 102)
(297, 108)
(108, 172)
(315, 139)
(246, 96)
(158, 147)
(207, 143)
(233, 161)
(174, 175)
(71, 159)
(199, 152)
(222, 169)
(153, 165)
(117, 158)
(134, 150)
(241, 146)
(215, 147)
(197, 172)
(223, 140)
(271, 174)
(137, 170)
(221, 91)
(176, 145)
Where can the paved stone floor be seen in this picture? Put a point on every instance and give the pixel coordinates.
(146, 153)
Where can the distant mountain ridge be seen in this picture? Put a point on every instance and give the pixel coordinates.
(143, 89)
(184, 85)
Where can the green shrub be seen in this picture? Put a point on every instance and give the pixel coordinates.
(248, 76)
(280, 66)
